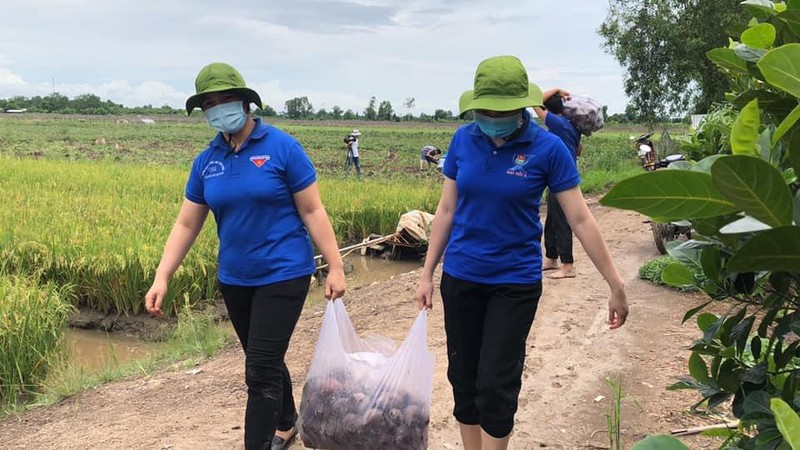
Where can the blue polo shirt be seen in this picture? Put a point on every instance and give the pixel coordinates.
(261, 237)
(496, 232)
(563, 128)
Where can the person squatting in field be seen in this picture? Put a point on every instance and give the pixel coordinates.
(429, 155)
(488, 229)
(261, 187)
(557, 233)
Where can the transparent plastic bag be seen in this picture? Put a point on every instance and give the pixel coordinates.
(366, 394)
(585, 113)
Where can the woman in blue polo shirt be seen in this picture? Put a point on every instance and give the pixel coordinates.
(487, 226)
(261, 187)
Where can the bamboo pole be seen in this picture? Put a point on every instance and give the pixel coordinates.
(350, 249)
(698, 430)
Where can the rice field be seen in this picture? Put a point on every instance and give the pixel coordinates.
(89, 203)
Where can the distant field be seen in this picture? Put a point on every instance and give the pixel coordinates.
(389, 149)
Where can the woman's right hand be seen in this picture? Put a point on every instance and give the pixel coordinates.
(155, 297)
(424, 294)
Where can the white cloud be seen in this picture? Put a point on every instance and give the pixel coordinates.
(9, 78)
(392, 49)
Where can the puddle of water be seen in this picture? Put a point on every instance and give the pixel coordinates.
(367, 270)
(95, 350)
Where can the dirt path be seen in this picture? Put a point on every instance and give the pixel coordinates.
(571, 352)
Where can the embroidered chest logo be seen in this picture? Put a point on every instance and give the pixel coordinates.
(259, 160)
(518, 170)
(213, 169)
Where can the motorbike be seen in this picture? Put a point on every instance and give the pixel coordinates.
(648, 156)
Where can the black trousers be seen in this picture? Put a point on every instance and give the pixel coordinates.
(264, 318)
(487, 326)
(557, 232)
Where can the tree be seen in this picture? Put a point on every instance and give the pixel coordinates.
(441, 114)
(385, 111)
(322, 114)
(409, 104)
(662, 46)
(350, 115)
(268, 111)
(743, 203)
(299, 108)
(371, 113)
(336, 113)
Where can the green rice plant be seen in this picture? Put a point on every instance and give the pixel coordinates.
(196, 332)
(33, 317)
(614, 414)
(101, 226)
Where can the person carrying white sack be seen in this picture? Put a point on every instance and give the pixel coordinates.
(487, 227)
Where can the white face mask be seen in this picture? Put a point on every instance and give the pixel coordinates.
(226, 117)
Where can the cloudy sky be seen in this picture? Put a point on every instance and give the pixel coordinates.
(336, 52)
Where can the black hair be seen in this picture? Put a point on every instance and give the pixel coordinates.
(554, 104)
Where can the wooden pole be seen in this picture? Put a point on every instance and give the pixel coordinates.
(698, 430)
(350, 249)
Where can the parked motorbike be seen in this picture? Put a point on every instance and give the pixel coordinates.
(648, 156)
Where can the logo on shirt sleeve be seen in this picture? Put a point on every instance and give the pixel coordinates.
(259, 160)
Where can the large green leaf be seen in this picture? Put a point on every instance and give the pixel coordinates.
(765, 98)
(762, 9)
(677, 275)
(746, 224)
(727, 59)
(660, 442)
(755, 187)
(788, 422)
(698, 367)
(704, 165)
(759, 36)
(748, 53)
(744, 133)
(670, 195)
(781, 68)
(776, 250)
(792, 19)
(786, 125)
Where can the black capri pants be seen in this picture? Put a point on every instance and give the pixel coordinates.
(487, 326)
(264, 318)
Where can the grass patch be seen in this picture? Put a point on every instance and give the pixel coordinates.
(651, 271)
(196, 338)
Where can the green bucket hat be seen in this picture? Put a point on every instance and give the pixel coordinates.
(219, 77)
(534, 92)
(463, 101)
(501, 84)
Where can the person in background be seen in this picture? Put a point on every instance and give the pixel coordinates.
(352, 150)
(429, 155)
(262, 189)
(487, 228)
(557, 232)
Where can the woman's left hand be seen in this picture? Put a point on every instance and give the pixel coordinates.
(335, 284)
(617, 308)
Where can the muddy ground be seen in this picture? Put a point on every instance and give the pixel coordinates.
(564, 397)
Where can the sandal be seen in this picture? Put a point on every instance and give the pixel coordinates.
(561, 275)
(279, 443)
